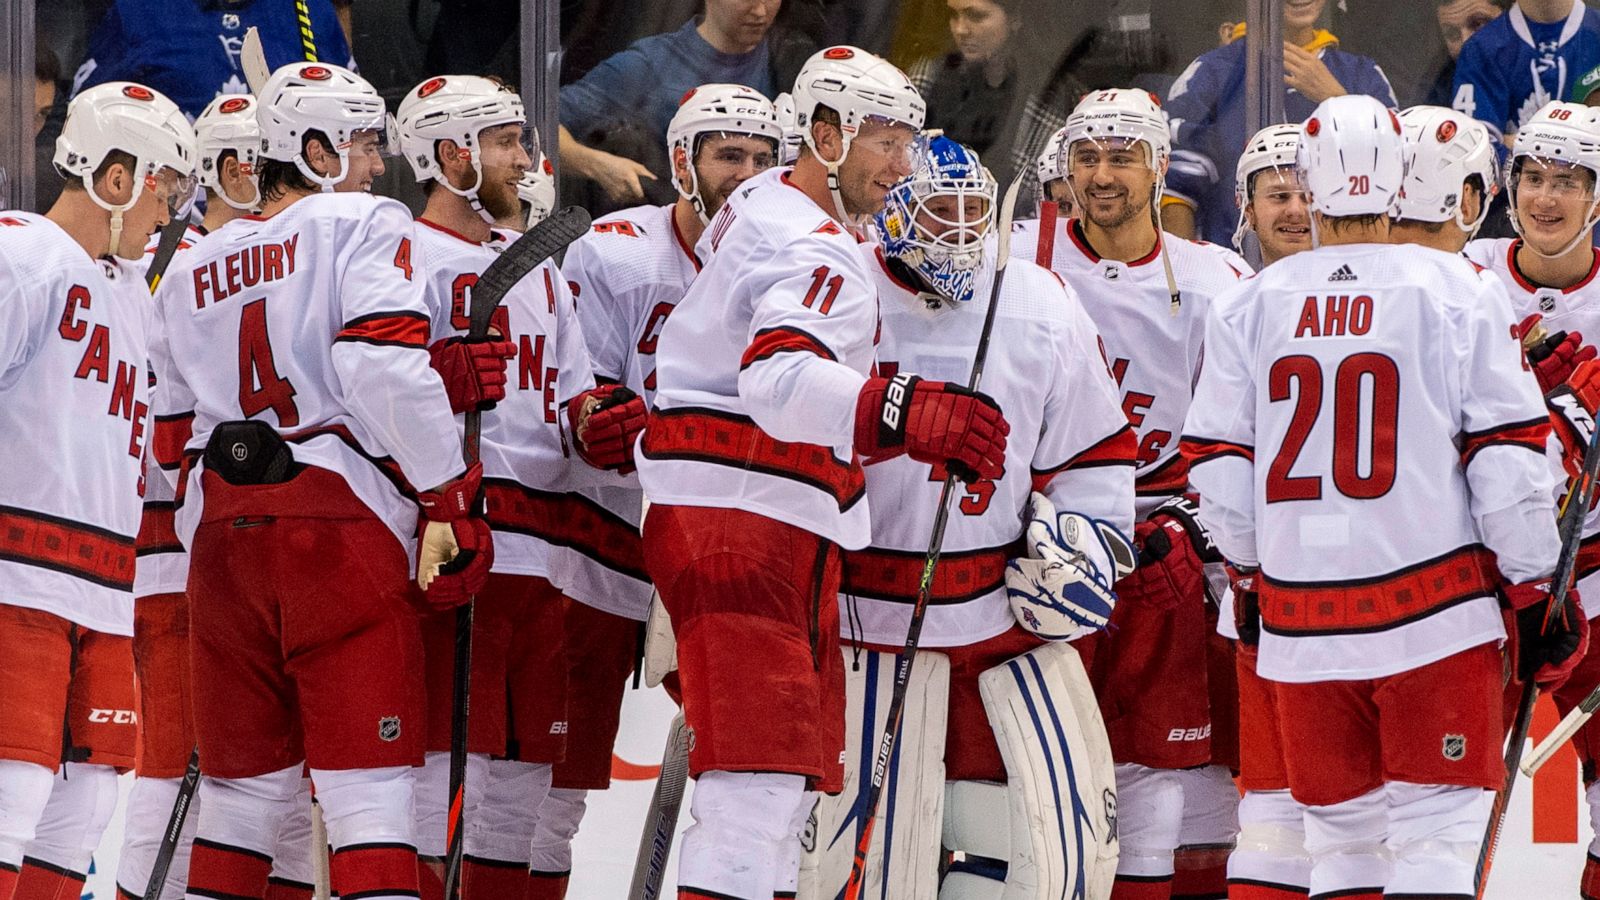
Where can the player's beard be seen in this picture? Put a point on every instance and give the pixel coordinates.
(498, 198)
(1117, 217)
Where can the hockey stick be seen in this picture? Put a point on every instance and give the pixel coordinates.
(253, 59)
(169, 837)
(308, 38)
(902, 672)
(1580, 494)
(536, 245)
(661, 822)
(166, 248)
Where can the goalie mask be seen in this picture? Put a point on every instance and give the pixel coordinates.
(936, 221)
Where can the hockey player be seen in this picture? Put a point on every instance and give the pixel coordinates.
(1450, 179)
(73, 336)
(296, 407)
(1376, 613)
(934, 267)
(763, 398)
(1148, 292)
(629, 272)
(1271, 200)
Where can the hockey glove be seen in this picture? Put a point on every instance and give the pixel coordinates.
(474, 372)
(1246, 603)
(1170, 571)
(932, 422)
(1547, 651)
(1061, 588)
(455, 553)
(1555, 356)
(606, 422)
(1572, 408)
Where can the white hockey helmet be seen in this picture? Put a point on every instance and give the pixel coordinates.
(1273, 147)
(1052, 163)
(1126, 113)
(1352, 157)
(789, 147)
(305, 97)
(857, 86)
(229, 123)
(121, 115)
(1443, 149)
(537, 188)
(717, 109)
(1561, 133)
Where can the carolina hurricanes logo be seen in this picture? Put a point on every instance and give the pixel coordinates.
(138, 92)
(1312, 127)
(1447, 130)
(431, 87)
(686, 95)
(548, 169)
(233, 105)
(315, 73)
(1154, 99)
(839, 53)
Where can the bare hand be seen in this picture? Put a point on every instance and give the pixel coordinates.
(1304, 72)
(618, 176)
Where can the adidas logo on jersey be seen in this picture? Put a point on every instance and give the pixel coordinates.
(1343, 273)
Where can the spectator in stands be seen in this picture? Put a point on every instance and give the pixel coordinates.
(972, 92)
(190, 50)
(46, 75)
(1206, 108)
(1459, 20)
(1528, 57)
(637, 91)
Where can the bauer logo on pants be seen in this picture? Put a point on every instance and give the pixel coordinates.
(389, 728)
(1455, 747)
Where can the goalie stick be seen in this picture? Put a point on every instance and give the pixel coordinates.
(661, 822)
(536, 245)
(1580, 494)
(902, 672)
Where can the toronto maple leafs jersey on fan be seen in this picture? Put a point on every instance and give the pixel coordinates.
(627, 275)
(760, 366)
(74, 422)
(314, 322)
(1068, 439)
(1153, 351)
(1512, 67)
(523, 449)
(1363, 429)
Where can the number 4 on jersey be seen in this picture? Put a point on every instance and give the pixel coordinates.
(260, 386)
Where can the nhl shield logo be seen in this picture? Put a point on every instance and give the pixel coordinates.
(389, 728)
(1113, 273)
(1547, 303)
(1455, 747)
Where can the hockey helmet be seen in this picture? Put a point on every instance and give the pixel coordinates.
(1273, 147)
(305, 97)
(789, 147)
(945, 248)
(1351, 157)
(858, 86)
(1128, 114)
(456, 108)
(1443, 148)
(1561, 133)
(537, 188)
(1052, 163)
(717, 109)
(229, 123)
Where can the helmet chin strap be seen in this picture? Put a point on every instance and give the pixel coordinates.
(247, 206)
(1583, 233)
(116, 210)
(471, 194)
(327, 183)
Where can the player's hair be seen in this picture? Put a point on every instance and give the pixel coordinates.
(277, 177)
(115, 157)
(1341, 223)
(46, 65)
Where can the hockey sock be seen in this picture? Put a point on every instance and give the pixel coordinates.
(546, 885)
(1589, 887)
(1201, 873)
(8, 880)
(430, 878)
(42, 881)
(1142, 887)
(489, 879)
(284, 889)
(217, 870)
(375, 871)
(1244, 889)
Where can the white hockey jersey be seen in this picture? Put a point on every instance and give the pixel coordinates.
(314, 322)
(74, 422)
(1068, 439)
(1401, 452)
(1575, 308)
(760, 366)
(523, 448)
(627, 275)
(1154, 353)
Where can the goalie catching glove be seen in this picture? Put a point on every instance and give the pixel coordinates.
(455, 553)
(474, 372)
(934, 422)
(1173, 551)
(1062, 588)
(606, 422)
(1548, 649)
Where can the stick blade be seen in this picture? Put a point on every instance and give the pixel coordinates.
(253, 59)
(1008, 213)
(661, 822)
(536, 245)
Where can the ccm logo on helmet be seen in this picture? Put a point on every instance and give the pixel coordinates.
(315, 73)
(431, 88)
(839, 53)
(233, 105)
(138, 92)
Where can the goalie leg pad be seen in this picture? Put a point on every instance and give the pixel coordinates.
(1060, 792)
(910, 811)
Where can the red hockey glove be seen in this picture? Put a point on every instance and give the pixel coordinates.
(1555, 356)
(1547, 651)
(455, 553)
(932, 422)
(1170, 572)
(1246, 603)
(606, 422)
(474, 372)
(1572, 408)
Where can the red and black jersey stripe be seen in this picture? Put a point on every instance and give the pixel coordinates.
(895, 575)
(172, 434)
(1199, 449)
(567, 520)
(94, 554)
(1118, 449)
(1171, 477)
(403, 329)
(1377, 603)
(769, 342)
(1530, 435)
(158, 531)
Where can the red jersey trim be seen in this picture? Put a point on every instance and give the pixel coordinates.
(895, 575)
(61, 545)
(677, 236)
(1197, 450)
(1081, 241)
(158, 533)
(728, 439)
(1118, 449)
(769, 342)
(494, 236)
(406, 329)
(566, 520)
(1364, 605)
(172, 434)
(1532, 435)
(1527, 284)
(1171, 477)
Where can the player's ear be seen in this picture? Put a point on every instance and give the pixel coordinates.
(116, 184)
